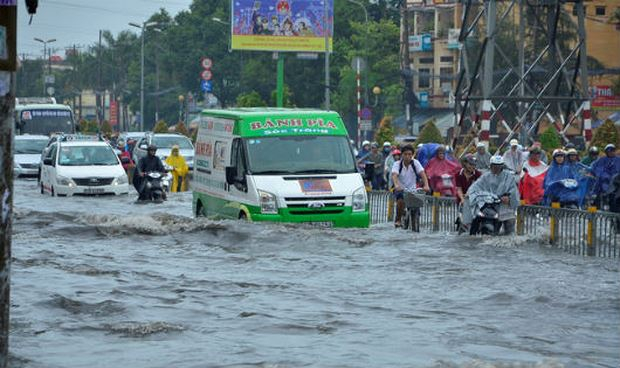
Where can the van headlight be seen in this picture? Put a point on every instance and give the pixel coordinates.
(359, 200)
(268, 204)
(121, 180)
(63, 180)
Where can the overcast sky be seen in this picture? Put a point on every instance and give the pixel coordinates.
(77, 22)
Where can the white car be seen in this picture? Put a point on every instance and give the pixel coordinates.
(28, 149)
(164, 143)
(82, 168)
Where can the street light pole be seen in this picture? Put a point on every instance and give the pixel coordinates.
(142, 28)
(49, 63)
(326, 29)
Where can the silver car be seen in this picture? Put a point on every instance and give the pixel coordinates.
(27, 158)
(164, 143)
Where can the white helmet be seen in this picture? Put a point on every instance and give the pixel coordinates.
(497, 160)
(365, 143)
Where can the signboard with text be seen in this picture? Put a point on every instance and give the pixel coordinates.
(603, 98)
(281, 25)
(420, 43)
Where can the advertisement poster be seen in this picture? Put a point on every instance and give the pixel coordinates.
(281, 25)
(603, 98)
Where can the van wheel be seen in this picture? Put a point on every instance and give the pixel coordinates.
(243, 216)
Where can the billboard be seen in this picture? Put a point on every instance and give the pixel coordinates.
(603, 98)
(281, 25)
(420, 43)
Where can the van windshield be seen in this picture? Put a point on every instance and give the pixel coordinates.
(300, 155)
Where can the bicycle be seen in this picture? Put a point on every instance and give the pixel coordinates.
(414, 201)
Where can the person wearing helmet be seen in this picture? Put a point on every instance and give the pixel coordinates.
(389, 162)
(387, 150)
(125, 157)
(466, 176)
(482, 157)
(604, 169)
(531, 184)
(514, 158)
(572, 156)
(498, 183)
(147, 164)
(591, 157)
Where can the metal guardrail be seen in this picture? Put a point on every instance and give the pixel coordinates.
(591, 232)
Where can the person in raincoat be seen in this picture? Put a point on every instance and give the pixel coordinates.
(180, 169)
(604, 169)
(442, 173)
(531, 184)
(496, 183)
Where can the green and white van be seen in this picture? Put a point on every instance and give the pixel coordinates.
(274, 164)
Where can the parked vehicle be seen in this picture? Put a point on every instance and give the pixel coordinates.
(164, 143)
(79, 167)
(27, 158)
(283, 165)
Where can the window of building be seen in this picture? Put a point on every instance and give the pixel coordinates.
(424, 78)
(426, 60)
(445, 74)
(599, 10)
(446, 59)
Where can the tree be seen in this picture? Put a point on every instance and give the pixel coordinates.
(550, 139)
(615, 86)
(106, 128)
(252, 99)
(385, 133)
(161, 127)
(605, 134)
(181, 129)
(430, 134)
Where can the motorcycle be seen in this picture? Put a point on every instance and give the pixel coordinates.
(487, 220)
(564, 191)
(444, 184)
(166, 180)
(152, 188)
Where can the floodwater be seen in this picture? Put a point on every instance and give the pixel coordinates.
(102, 282)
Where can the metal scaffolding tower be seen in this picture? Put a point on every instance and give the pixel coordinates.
(521, 62)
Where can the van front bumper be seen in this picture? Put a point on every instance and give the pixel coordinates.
(345, 218)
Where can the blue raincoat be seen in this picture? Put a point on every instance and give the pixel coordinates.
(604, 169)
(428, 151)
(567, 183)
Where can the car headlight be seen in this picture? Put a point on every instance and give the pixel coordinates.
(63, 180)
(121, 180)
(268, 204)
(359, 200)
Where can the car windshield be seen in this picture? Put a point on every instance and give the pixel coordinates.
(300, 155)
(168, 142)
(30, 146)
(87, 156)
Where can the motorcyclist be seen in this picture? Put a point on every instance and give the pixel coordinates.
(405, 173)
(591, 157)
(466, 176)
(442, 173)
(514, 158)
(179, 170)
(604, 169)
(497, 183)
(482, 157)
(531, 184)
(147, 164)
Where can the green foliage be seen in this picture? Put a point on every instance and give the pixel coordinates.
(385, 133)
(615, 86)
(550, 139)
(287, 100)
(605, 134)
(106, 128)
(160, 127)
(181, 128)
(430, 134)
(87, 127)
(252, 99)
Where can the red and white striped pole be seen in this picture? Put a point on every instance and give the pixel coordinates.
(485, 124)
(587, 121)
(359, 103)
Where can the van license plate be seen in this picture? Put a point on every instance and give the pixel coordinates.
(319, 224)
(93, 190)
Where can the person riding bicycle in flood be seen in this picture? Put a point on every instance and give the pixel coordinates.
(405, 173)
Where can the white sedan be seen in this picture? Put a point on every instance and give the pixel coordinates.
(82, 168)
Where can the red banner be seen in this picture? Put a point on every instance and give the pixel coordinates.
(603, 98)
(113, 113)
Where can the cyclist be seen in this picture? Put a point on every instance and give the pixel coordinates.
(405, 173)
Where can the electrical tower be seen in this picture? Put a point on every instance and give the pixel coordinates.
(522, 62)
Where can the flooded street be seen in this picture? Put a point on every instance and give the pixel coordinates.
(102, 282)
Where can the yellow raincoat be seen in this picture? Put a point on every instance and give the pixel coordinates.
(180, 170)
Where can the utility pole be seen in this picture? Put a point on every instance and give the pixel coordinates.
(99, 97)
(326, 29)
(8, 65)
(405, 66)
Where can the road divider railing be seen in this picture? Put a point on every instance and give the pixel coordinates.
(584, 232)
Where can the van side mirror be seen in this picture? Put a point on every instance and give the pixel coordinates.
(230, 175)
(47, 161)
